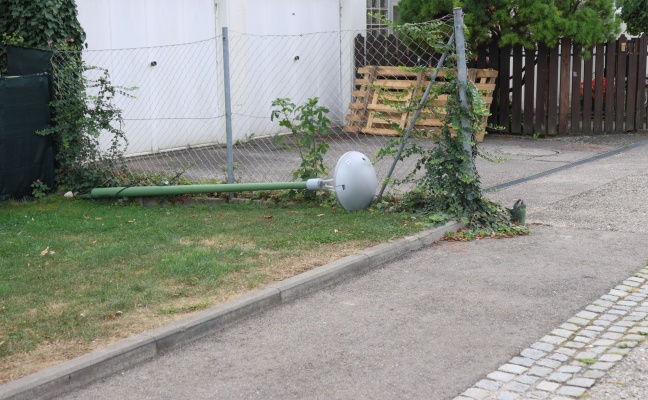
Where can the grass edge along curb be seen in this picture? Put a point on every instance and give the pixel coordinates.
(83, 370)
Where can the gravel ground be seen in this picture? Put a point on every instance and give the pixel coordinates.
(627, 380)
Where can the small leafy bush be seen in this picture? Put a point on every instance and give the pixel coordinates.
(308, 124)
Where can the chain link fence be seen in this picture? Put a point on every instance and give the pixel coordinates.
(175, 121)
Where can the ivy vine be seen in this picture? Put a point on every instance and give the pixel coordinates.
(445, 180)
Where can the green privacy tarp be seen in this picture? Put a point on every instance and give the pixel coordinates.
(26, 61)
(24, 156)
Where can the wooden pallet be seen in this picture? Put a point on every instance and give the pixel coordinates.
(383, 93)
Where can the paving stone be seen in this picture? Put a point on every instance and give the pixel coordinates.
(540, 371)
(553, 339)
(621, 307)
(616, 328)
(625, 323)
(508, 396)
(501, 376)
(595, 328)
(623, 288)
(610, 357)
(621, 352)
(513, 369)
(634, 318)
(634, 337)
(609, 317)
(548, 386)
(545, 362)
(617, 312)
(618, 293)
(476, 393)
(528, 379)
(489, 385)
(636, 313)
(527, 362)
(560, 377)
(573, 391)
(609, 298)
(582, 339)
(604, 342)
(639, 330)
(612, 335)
(593, 374)
(603, 366)
(636, 298)
(578, 321)
(604, 303)
(533, 353)
(627, 303)
(570, 369)
(516, 387)
(462, 398)
(587, 315)
(638, 280)
(574, 345)
(596, 309)
(537, 395)
(602, 322)
(564, 350)
(598, 349)
(642, 309)
(582, 382)
(559, 357)
(586, 354)
(562, 332)
(543, 346)
(588, 333)
(631, 283)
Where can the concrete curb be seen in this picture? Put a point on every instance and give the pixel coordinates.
(101, 363)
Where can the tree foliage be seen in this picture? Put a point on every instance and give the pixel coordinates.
(525, 22)
(635, 15)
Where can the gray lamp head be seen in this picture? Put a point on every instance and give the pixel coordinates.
(354, 181)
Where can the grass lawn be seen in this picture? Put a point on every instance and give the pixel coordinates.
(77, 275)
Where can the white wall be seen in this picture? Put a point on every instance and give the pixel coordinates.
(179, 101)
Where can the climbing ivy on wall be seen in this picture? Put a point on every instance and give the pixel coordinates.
(43, 24)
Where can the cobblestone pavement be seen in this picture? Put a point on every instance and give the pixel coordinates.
(569, 360)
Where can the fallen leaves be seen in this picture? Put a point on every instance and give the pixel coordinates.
(45, 252)
(267, 217)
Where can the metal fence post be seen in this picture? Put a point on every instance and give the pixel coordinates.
(228, 108)
(462, 76)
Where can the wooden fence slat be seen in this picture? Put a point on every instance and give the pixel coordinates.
(610, 72)
(542, 86)
(620, 84)
(641, 99)
(576, 112)
(586, 85)
(631, 101)
(505, 86)
(552, 92)
(516, 103)
(563, 97)
(598, 88)
(482, 55)
(493, 60)
(529, 90)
